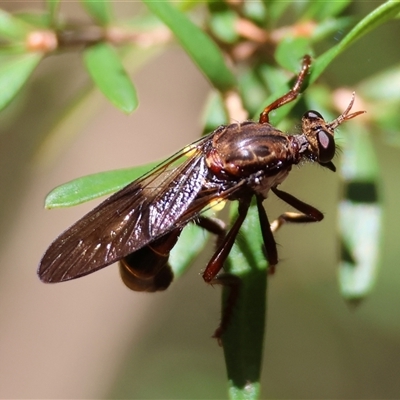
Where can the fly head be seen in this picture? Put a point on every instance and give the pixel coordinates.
(320, 134)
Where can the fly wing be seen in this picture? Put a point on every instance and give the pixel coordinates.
(128, 220)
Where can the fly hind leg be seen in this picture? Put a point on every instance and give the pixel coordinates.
(216, 263)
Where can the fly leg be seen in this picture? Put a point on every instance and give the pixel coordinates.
(307, 212)
(216, 263)
(289, 96)
(271, 253)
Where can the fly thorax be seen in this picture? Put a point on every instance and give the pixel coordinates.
(241, 150)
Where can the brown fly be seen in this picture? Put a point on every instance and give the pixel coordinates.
(139, 225)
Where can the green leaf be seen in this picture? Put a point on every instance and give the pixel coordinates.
(360, 217)
(92, 186)
(244, 338)
(107, 71)
(199, 46)
(14, 72)
(377, 17)
(99, 10)
(12, 27)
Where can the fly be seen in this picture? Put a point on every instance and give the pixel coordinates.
(140, 224)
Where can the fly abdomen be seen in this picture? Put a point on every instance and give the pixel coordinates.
(147, 269)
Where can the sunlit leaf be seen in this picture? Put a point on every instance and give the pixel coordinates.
(92, 186)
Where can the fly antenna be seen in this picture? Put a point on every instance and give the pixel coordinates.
(345, 116)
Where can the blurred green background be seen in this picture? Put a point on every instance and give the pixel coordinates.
(93, 338)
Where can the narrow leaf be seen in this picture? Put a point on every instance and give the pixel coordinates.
(92, 186)
(107, 71)
(244, 338)
(14, 72)
(200, 47)
(100, 10)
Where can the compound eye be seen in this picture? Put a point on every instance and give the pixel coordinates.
(313, 115)
(326, 146)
